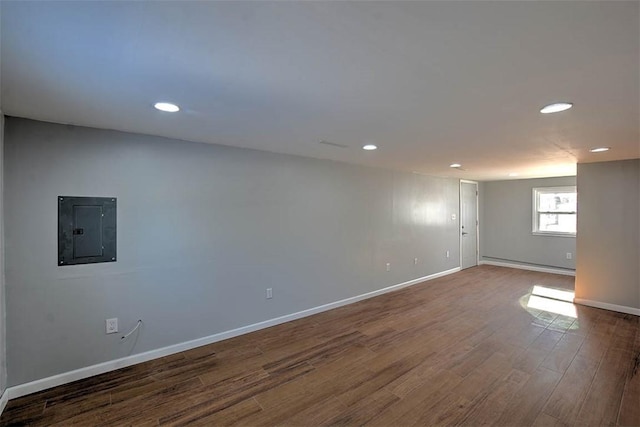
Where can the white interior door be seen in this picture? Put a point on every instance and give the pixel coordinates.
(468, 224)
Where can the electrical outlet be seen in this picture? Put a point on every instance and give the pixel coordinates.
(388, 266)
(415, 261)
(569, 255)
(447, 254)
(112, 325)
(269, 293)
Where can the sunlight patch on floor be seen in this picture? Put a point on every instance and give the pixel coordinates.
(552, 306)
(550, 300)
(558, 294)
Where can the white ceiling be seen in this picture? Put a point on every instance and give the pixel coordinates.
(431, 83)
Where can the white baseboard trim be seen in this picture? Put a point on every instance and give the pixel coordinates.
(112, 365)
(4, 399)
(607, 306)
(530, 267)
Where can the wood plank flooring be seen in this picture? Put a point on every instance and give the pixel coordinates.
(459, 350)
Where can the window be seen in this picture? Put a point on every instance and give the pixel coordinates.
(554, 211)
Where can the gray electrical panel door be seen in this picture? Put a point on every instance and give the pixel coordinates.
(86, 230)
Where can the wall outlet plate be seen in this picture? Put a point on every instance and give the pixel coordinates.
(112, 325)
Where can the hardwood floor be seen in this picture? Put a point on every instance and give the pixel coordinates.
(459, 350)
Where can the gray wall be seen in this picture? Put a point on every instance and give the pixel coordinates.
(609, 232)
(3, 347)
(506, 225)
(203, 230)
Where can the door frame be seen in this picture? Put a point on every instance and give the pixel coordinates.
(466, 181)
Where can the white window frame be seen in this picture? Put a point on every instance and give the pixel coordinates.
(535, 212)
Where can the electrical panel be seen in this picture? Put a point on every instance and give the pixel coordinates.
(86, 230)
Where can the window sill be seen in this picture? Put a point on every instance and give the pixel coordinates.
(552, 234)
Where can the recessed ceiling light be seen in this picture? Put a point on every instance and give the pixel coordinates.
(556, 108)
(369, 147)
(513, 174)
(455, 165)
(599, 149)
(166, 106)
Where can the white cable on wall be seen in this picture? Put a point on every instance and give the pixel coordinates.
(133, 330)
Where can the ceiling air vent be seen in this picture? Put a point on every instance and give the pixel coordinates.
(333, 144)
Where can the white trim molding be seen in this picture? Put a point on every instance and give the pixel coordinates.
(4, 399)
(530, 267)
(89, 371)
(607, 306)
